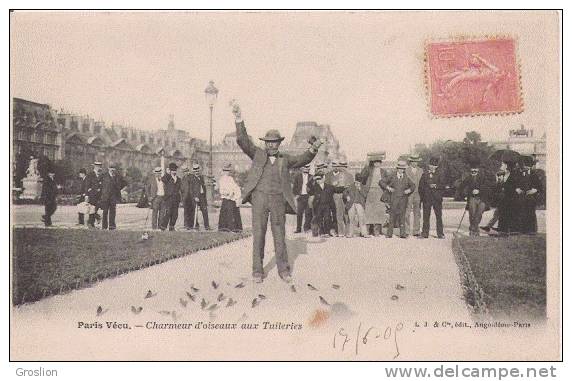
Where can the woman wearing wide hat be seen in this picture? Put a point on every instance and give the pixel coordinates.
(375, 208)
(229, 217)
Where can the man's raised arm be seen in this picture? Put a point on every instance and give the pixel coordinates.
(302, 159)
(242, 138)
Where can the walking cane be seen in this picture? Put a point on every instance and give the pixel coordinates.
(460, 222)
(145, 235)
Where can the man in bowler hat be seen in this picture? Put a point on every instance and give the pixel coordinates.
(399, 186)
(431, 187)
(198, 197)
(94, 185)
(172, 199)
(414, 172)
(528, 193)
(49, 193)
(269, 190)
(112, 184)
(476, 189)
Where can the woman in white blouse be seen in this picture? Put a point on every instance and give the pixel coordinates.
(229, 218)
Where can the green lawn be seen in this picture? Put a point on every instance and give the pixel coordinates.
(52, 261)
(505, 277)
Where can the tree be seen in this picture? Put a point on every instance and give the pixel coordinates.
(472, 137)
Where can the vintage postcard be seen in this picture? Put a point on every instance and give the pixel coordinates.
(255, 185)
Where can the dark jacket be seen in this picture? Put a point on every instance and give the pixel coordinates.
(259, 158)
(527, 181)
(49, 191)
(172, 190)
(354, 195)
(324, 197)
(196, 185)
(479, 182)
(186, 187)
(297, 183)
(397, 198)
(94, 185)
(429, 194)
(111, 189)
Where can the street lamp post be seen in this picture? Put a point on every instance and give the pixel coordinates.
(211, 93)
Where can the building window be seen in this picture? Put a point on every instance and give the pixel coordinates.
(97, 129)
(143, 139)
(151, 140)
(85, 127)
(40, 137)
(51, 138)
(62, 122)
(124, 134)
(73, 125)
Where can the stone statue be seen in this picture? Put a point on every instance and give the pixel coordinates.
(32, 171)
(32, 183)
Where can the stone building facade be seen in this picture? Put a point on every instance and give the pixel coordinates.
(82, 140)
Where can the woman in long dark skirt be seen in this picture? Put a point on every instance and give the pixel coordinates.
(229, 217)
(507, 203)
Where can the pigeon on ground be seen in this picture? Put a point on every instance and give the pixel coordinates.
(324, 301)
(150, 294)
(336, 286)
(240, 285)
(183, 302)
(293, 288)
(394, 297)
(163, 312)
(137, 310)
(191, 296)
(261, 296)
(100, 311)
(203, 304)
(214, 284)
(312, 287)
(399, 287)
(212, 307)
(231, 302)
(221, 297)
(194, 289)
(255, 302)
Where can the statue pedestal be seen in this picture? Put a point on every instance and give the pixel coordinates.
(32, 189)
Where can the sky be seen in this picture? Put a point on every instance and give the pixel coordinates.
(361, 73)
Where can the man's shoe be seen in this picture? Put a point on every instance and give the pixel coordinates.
(441, 236)
(402, 236)
(416, 235)
(286, 278)
(297, 231)
(388, 236)
(367, 236)
(257, 278)
(486, 228)
(423, 236)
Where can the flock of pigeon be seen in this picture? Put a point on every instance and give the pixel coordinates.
(193, 295)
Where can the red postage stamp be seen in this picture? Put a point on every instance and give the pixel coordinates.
(467, 78)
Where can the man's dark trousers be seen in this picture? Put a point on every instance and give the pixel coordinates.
(303, 212)
(438, 209)
(109, 212)
(273, 206)
(195, 207)
(49, 209)
(170, 215)
(188, 212)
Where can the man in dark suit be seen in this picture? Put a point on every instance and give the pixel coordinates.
(528, 192)
(269, 189)
(172, 184)
(94, 184)
(476, 188)
(322, 201)
(112, 184)
(82, 193)
(399, 186)
(49, 193)
(187, 200)
(431, 187)
(198, 196)
(300, 186)
(155, 190)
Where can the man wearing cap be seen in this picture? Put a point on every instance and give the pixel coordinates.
(339, 177)
(112, 184)
(49, 193)
(300, 186)
(186, 197)
(156, 192)
(354, 200)
(172, 184)
(399, 186)
(476, 189)
(431, 187)
(268, 188)
(528, 191)
(198, 191)
(94, 184)
(414, 201)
